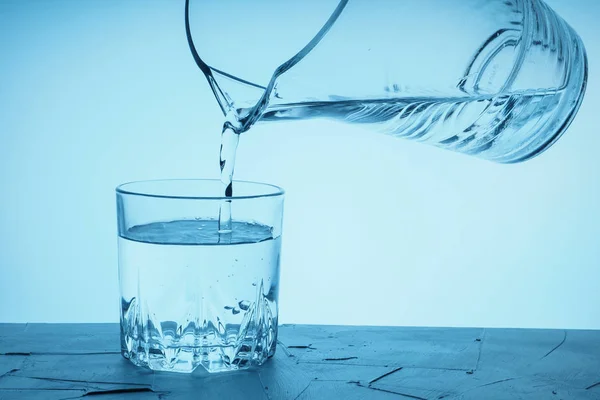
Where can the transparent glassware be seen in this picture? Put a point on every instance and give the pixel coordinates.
(191, 295)
(497, 79)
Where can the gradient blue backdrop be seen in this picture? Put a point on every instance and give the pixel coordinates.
(94, 93)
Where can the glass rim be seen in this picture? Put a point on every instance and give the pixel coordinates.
(121, 189)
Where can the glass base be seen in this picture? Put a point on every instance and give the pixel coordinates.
(186, 360)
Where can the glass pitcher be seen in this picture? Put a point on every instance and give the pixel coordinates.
(497, 79)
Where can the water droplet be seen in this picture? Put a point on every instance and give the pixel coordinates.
(253, 283)
(235, 311)
(244, 305)
(228, 308)
(236, 259)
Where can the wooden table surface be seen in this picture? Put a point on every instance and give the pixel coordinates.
(72, 361)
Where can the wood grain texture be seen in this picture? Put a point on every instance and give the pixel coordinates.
(72, 361)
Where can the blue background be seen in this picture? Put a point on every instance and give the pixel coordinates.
(95, 93)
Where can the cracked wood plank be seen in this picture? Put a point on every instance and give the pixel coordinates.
(457, 385)
(22, 394)
(41, 383)
(60, 338)
(235, 385)
(99, 368)
(527, 387)
(422, 383)
(287, 381)
(10, 364)
(10, 330)
(346, 391)
(505, 348)
(570, 356)
(380, 346)
(71, 361)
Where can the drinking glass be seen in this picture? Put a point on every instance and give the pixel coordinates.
(190, 294)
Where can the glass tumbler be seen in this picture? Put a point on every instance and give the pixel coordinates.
(191, 294)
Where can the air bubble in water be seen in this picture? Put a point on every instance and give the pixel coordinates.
(244, 305)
